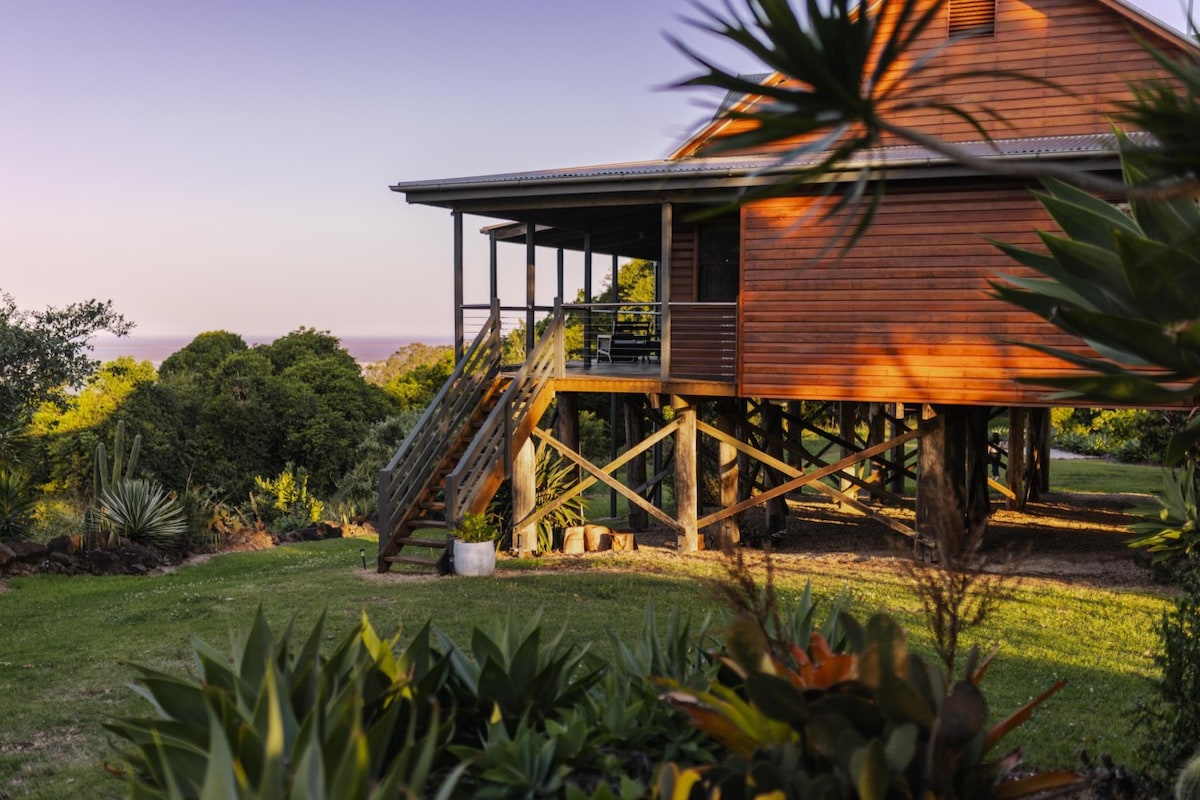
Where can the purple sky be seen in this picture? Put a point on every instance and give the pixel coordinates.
(225, 164)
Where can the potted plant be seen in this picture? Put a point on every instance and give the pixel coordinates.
(475, 545)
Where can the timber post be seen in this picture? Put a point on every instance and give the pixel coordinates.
(728, 529)
(686, 493)
(1016, 457)
(524, 498)
(898, 456)
(876, 433)
(635, 431)
(847, 414)
(566, 425)
(777, 508)
(952, 473)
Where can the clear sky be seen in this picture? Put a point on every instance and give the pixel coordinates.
(225, 164)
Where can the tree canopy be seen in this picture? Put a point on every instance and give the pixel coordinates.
(43, 351)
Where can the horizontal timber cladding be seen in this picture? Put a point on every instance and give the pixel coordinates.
(906, 314)
(1085, 52)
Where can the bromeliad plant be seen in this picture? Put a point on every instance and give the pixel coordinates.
(872, 721)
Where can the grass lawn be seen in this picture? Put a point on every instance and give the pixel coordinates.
(63, 641)
(1097, 475)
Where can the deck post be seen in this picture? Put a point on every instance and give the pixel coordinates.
(635, 432)
(524, 494)
(777, 508)
(561, 269)
(664, 292)
(847, 414)
(589, 336)
(566, 426)
(898, 455)
(728, 529)
(685, 474)
(459, 335)
(493, 267)
(530, 287)
(1016, 457)
(876, 431)
(1039, 425)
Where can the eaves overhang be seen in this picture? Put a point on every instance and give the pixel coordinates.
(693, 179)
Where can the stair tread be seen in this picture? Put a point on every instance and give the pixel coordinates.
(413, 541)
(418, 560)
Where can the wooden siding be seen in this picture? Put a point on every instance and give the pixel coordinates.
(905, 316)
(683, 262)
(1082, 46)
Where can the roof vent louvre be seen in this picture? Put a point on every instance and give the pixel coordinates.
(972, 17)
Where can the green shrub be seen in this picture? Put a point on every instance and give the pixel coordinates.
(1169, 723)
(476, 528)
(284, 503)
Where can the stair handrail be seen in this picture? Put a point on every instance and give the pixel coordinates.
(431, 439)
(508, 422)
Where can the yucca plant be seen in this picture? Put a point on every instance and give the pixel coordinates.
(143, 512)
(17, 503)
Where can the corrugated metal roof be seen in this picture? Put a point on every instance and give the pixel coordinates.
(736, 166)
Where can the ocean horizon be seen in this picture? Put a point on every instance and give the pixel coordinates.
(155, 349)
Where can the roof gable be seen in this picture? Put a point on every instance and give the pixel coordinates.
(1089, 48)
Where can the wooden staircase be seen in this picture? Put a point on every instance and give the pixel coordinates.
(460, 451)
(411, 496)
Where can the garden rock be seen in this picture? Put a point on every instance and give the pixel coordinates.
(313, 533)
(28, 551)
(7, 556)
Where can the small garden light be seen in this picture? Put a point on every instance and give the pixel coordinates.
(362, 553)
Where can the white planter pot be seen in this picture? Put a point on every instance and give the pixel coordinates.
(474, 558)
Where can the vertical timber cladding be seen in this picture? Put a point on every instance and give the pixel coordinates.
(906, 314)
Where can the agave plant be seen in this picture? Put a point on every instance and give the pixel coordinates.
(1125, 284)
(278, 721)
(143, 512)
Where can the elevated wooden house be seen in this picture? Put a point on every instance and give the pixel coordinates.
(754, 315)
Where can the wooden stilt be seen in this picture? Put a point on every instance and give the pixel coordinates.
(847, 414)
(876, 433)
(776, 509)
(1045, 434)
(728, 530)
(635, 431)
(1016, 458)
(524, 494)
(898, 454)
(685, 474)
(952, 474)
